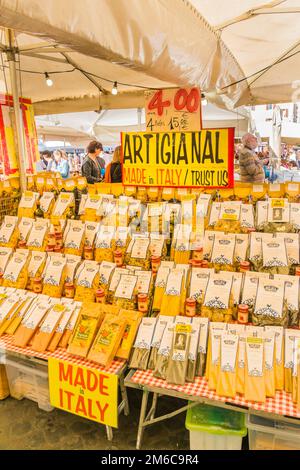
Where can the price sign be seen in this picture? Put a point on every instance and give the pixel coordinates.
(174, 109)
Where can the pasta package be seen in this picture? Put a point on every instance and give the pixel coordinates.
(269, 364)
(274, 256)
(241, 249)
(142, 345)
(16, 272)
(171, 301)
(295, 216)
(193, 350)
(61, 327)
(132, 320)
(226, 384)
(250, 287)
(19, 315)
(121, 239)
(208, 243)
(161, 324)
(125, 294)
(181, 247)
(218, 300)
(103, 245)
(87, 281)
(222, 256)
(178, 362)
(276, 190)
(91, 317)
(108, 340)
(160, 286)
(92, 206)
(214, 358)
(292, 246)
(36, 267)
(258, 192)
(37, 239)
(162, 362)
(54, 277)
(72, 264)
(270, 308)
(63, 206)
(114, 282)
(279, 355)
(278, 216)
(24, 227)
(68, 332)
(46, 330)
(30, 324)
(214, 327)
(291, 297)
(158, 245)
(9, 306)
(261, 215)
(292, 192)
(202, 347)
(74, 237)
(5, 254)
(229, 217)
(47, 202)
(91, 230)
(247, 217)
(27, 204)
(255, 387)
(289, 342)
(140, 253)
(9, 233)
(105, 272)
(198, 284)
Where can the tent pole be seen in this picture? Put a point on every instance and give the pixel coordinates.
(11, 58)
(139, 113)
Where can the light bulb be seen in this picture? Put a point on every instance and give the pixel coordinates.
(203, 100)
(48, 80)
(114, 90)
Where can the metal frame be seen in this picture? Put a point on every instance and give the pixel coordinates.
(123, 405)
(147, 419)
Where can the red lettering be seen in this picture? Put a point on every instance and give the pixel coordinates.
(103, 388)
(102, 410)
(90, 409)
(157, 103)
(79, 379)
(80, 407)
(69, 399)
(65, 375)
(91, 380)
(61, 401)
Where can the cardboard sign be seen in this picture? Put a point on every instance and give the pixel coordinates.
(179, 159)
(173, 109)
(84, 391)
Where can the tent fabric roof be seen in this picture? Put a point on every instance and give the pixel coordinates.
(157, 43)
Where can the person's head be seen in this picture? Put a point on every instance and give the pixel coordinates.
(46, 155)
(250, 141)
(117, 155)
(94, 148)
(59, 155)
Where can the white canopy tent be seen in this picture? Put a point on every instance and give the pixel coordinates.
(237, 52)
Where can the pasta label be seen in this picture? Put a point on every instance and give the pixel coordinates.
(229, 347)
(145, 333)
(255, 354)
(126, 286)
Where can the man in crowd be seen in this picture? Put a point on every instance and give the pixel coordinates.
(251, 168)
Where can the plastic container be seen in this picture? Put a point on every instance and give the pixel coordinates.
(28, 380)
(214, 428)
(271, 434)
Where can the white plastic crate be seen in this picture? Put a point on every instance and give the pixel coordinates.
(270, 434)
(206, 441)
(28, 380)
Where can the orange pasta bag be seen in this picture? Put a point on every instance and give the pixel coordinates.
(64, 341)
(255, 389)
(47, 329)
(269, 357)
(279, 356)
(226, 383)
(30, 324)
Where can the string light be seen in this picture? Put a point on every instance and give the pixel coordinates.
(203, 100)
(48, 79)
(114, 90)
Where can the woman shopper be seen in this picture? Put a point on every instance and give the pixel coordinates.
(93, 165)
(251, 168)
(113, 173)
(61, 164)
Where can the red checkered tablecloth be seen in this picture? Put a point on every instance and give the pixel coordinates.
(282, 404)
(7, 343)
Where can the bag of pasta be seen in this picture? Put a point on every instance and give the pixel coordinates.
(154, 194)
(27, 205)
(5, 254)
(25, 226)
(74, 237)
(141, 351)
(140, 254)
(181, 247)
(9, 233)
(291, 192)
(158, 246)
(229, 217)
(54, 277)
(103, 244)
(198, 284)
(106, 270)
(47, 203)
(16, 271)
(275, 260)
(218, 303)
(130, 191)
(64, 207)
(31, 184)
(121, 240)
(241, 250)
(278, 216)
(179, 354)
(270, 307)
(295, 216)
(144, 286)
(125, 295)
(247, 218)
(92, 206)
(258, 192)
(255, 252)
(222, 257)
(172, 299)
(113, 282)
(87, 281)
(36, 267)
(161, 324)
(72, 264)
(38, 236)
(40, 183)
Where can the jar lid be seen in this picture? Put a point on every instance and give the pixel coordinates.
(57, 249)
(190, 301)
(142, 297)
(88, 248)
(155, 258)
(117, 253)
(69, 284)
(197, 263)
(37, 280)
(243, 307)
(100, 292)
(245, 264)
(200, 248)
(204, 264)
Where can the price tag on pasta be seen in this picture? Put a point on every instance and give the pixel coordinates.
(277, 203)
(258, 188)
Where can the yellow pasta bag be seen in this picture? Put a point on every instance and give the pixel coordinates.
(140, 254)
(141, 194)
(74, 237)
(291, 191)
(125, 293)
(103, 244)
(27, 205)
(107, 340)
(36, 267)
(5, 254)
(103, 188)
(54, 277)
(38, 236)
(113, 276)
(61, 327)
(30, 183)
(9, 306)
(227, 378)
(276, 190)
(47, 203)
(71, 324)
(133, 320)
(172, 300)
(82, 184)
(130, 191)
(30, 324)
(218, 304)
(40, 183)
(215, 327)
(269, 364)
(255, 387)
(116, 189)
(121, 240)
(291, 336)
(242, 191)
(91, 208)
(105, 273)
(87, 281)
(64, 207)
(9, 233)
(16, 271)
(160, 286)
(279, 356)
(258, 192)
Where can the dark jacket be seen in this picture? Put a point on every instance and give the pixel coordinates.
(92, 170)
(116, 173)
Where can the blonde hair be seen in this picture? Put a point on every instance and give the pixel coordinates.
(117, 155)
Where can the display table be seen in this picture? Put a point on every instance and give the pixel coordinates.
(281, 406)
(118, 367)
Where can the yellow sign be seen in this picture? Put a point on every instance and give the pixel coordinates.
(179, 159)
(277, 202)
(173, 109)
(84, 391)
(229, 216)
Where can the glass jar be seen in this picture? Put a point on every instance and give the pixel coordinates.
(143, 303)
(297, 271)
(22, 244)
(69, 290)
(198, 254)
(204, 264)
(197, 263)
(88, 253)
(49, 248)
(190, 307)
(244, 266)
(100, 296)
(37, 286)
(243, 314)
(155, 263)
(118, 258)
